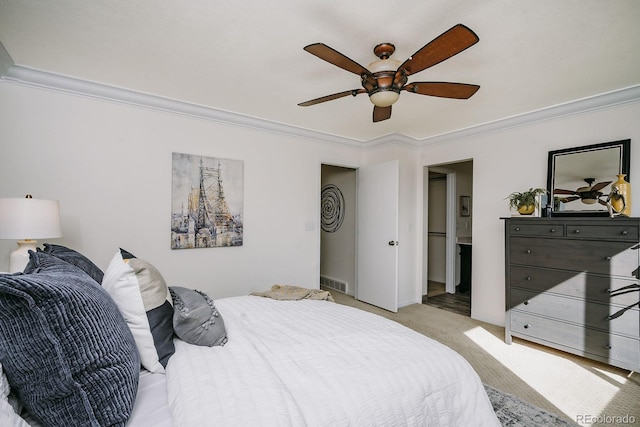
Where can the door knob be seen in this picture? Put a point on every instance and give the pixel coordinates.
(393, 243)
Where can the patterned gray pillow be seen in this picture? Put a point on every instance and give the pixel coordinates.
(196, 319)
(66, 350)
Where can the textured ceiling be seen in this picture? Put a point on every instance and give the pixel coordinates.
(247, 57)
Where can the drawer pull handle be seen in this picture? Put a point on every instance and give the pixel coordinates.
(577, 231)
(607, 258)
(526, 302)
(553, 230)
(528, 278)
(517, 228)
(608, 346)
(528, 251)
(624, 232)
(527, 326)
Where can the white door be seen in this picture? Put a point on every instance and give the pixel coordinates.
(378, 188)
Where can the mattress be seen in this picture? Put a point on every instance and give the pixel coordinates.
(318, 363)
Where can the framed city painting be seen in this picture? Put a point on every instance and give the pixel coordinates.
(206, 202)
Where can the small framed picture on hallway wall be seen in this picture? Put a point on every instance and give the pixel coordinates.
(465, 205)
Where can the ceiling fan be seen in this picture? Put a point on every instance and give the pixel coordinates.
(589, 194)
(385, 78)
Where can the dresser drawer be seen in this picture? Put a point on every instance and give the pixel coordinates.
(612, 231)
(575, 310)
(525, 228)
(583, 341)
(603, 257)
(575, 284)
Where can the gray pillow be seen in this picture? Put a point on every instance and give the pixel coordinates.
(196, 319)
(76, 258)
(66, 350)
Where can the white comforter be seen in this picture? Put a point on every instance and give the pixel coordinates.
(318, 363)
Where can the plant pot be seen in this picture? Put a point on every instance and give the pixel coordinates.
(526, 209)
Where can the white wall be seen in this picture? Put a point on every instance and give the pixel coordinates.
(516, 159)
(109, 165)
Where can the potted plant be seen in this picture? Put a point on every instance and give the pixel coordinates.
(527, 201)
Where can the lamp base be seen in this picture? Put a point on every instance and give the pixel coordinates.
(20, 257)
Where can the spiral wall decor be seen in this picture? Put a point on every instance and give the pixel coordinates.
(332, 205)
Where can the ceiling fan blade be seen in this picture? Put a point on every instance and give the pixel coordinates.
(599, 186)
(602, 202)
(381, 113)
(561, 191)
(443, 89)
(446, 45)
(570, 199)
(334, 57)
(353, 92)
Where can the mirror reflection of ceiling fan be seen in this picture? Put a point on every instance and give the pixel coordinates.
(589, 194)
(385, 78)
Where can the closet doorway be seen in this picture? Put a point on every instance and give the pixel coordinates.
(447, 222)
(338, 230)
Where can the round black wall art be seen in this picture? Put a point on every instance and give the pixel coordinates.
(332, 205)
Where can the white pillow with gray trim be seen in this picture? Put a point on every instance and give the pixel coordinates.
(144, 300)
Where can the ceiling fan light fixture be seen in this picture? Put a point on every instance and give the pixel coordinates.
(385, 78)
(384, 98)
(589, 201)
(384, 65)
(384, 70)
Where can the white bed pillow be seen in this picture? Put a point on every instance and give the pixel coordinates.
(143, 297)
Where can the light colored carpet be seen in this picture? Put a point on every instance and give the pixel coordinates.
(578, 389)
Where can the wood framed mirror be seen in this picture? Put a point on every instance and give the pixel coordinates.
(579, 179)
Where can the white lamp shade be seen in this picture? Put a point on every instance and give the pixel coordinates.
(28, 218)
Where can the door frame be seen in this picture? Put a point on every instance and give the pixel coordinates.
(451, 244)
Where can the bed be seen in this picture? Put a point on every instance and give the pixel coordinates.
(257, 361)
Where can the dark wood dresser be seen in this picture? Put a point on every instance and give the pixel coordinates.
(572, 284)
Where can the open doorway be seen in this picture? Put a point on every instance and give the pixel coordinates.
(448, 236)
(338, 229)
(359, 209)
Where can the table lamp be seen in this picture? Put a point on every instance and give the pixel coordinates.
(27, 219)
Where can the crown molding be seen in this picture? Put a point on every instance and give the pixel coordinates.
(25, 76)
(580, 106)
(31, 77)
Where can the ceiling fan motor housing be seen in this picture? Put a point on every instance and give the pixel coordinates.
(381, 84)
